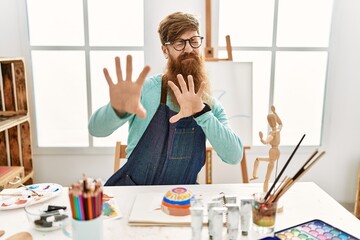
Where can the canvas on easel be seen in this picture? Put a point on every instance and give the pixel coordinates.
(231, 84)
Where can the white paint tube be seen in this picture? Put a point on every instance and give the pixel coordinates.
(230, 199)
(210, 206)
(225, 198)
(217, 222)
(245, 215)
(197, 218)
(233, 219)
(219, 198)
(196, 201)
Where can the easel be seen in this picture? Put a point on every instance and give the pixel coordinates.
(209, 50)
(209, 56)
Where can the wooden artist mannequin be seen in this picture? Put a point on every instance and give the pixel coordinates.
(273, 139)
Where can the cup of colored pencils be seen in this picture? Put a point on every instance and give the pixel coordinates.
(86, 200)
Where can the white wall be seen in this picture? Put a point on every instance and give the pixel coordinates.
(10, 40)
(335, 173)
(342, 109)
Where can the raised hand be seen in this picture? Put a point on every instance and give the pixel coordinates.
(261, 135)
(189, 101)
(125, 95)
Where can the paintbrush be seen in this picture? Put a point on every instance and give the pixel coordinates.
(13, 195)
(299, 174)
(30, 190)
(283, 169)
(290, 180)
(284, 182)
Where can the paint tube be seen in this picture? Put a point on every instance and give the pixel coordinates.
(217, 222)
(197, 216)
(233, 219)
(210, 206)
(219, 198)
(196, 201)
(225, 198)
(230, 199)
(245, 216)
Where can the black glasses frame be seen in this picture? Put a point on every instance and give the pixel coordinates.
(184, 42)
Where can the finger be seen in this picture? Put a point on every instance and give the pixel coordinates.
(182, 83)
(191, 84)
(175, 89)
(128, 67)
(140, 111)
(143, 74)
(175, 118)
(201, 89)
(118, 69)
(107, 77)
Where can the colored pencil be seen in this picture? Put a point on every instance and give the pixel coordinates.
(86, 199)
(89, 204)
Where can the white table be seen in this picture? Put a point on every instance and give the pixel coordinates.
(303, 202)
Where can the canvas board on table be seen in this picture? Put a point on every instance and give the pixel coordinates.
(146, 210)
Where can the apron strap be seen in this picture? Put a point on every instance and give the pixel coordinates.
(163, 91)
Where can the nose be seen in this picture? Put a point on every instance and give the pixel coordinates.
(188, 47)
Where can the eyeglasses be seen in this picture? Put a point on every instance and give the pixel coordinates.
(180, 44)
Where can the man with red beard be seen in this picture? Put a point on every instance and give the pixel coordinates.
(170, 115)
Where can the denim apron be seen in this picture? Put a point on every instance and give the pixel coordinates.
(167, 153)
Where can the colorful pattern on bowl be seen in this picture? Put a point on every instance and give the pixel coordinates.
(176, 202)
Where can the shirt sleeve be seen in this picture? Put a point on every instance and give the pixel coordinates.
(220, 135)
(105, 121)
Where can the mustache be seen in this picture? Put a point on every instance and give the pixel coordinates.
(188, 55)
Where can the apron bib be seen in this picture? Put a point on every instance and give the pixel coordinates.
(166, 154)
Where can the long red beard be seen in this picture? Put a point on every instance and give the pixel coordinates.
(186, 64)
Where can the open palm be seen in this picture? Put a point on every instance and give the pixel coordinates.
(125, 94)
(189, 101)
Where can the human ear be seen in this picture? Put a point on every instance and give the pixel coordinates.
(165, 52)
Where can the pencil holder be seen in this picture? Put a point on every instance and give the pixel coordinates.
(85, 229)
(86, 200)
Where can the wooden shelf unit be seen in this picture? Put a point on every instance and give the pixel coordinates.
(10, 175)
(15, 135)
